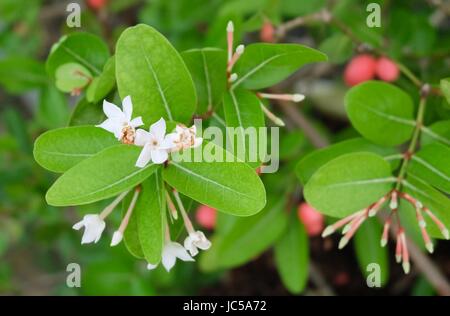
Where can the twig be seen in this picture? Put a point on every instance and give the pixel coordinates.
(319, 281)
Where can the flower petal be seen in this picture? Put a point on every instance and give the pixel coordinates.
(169, 141)
(151, 266)
(136, 122)
(197, 142)
(111, 110)
(159, 156)
(142, 137)
(79, 225)
(127, 107)
(180, 252)
(189, 246)
(168, 259)
(158, 129)
(144, 157)
(112, 125)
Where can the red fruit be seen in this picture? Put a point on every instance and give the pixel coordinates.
(361, 68)
(206, 216)
(267, 33)
(312, 219)
(96, 4)
(386, 69)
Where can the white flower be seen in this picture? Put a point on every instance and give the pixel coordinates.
(185, 137)
(196, 240)
(93, 228)
(171, 251)
(119, 122)
(117, 238)
(155, 143)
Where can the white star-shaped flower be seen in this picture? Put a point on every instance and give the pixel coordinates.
(196, 240)
(119, 121)
(155, 142)
(93, 228)
(171, 251)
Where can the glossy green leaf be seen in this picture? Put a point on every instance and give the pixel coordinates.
(208, 67)
(86, 113)
(150, 212)
(432, 164)
(349, 183)
(292, 256)
(437, 202)
(18, 74)
(263, 65)
(231, 187)
(99, 177)
(103, 84)
(60, 149)
(131, 234)
(82, 48)
(313, 161)
(243, 109)
(338, 47)
(436, 132)
(381, 112)
(152, 72)
(246, 238)
(53, 111)
(71, 77)
(368, 250)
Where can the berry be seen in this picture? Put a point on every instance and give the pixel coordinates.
(312, 219)
(361, 68)
(386, 69)
(206, 216)
(96, 4)
(267, 33)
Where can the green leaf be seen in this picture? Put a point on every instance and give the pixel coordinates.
(313, 161)
(348, 184)
(292, 256)
(99, 177)
(150, 211)
(72, 76)
(60, 149)
(246, 238)
(53, 109)
(208, 67)
(86, 113)
(152, 72)
(131, 234)
(338, 47)
(230, 187)
(432, 164)
(18, 74)
(445, 87)
(437, 202)
(381, 112)
(103, 84)
(436, 132)
(243, 109)
(368, 250)
(263, 65)
(82, 48)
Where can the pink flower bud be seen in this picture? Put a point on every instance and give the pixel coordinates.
(206, 216)
(312, 219)
(361, 68)
(386, 69)
(267, 33)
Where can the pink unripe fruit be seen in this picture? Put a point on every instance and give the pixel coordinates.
(96, 4)
(361, 68)
(267, 33)
(206, 216)
(312, 219)
(386, 69)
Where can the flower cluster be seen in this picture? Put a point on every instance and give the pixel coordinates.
(156, 146)
(353, 222)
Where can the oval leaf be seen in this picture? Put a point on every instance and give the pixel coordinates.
(431, 164)
(103, 84)
(231, 187)
(104, 175)
(60, 149)
(208, 67)
(263, 65)
(381, 112)
(348, 184)
(150, 70)
(242, 109)
(292, 257)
